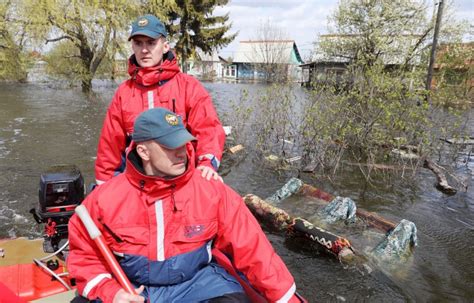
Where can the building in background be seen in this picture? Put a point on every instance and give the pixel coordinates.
(206, 66)
(276, 60)
(454, 67)
(332, 67)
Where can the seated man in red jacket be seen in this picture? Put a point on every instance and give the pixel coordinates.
(161, 218)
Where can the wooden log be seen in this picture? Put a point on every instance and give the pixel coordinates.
(442, 184)
(273, 216)
(334, 244)
(281, 220)
(371, 218)
(379, 166)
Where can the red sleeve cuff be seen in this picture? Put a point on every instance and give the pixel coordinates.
(206, 162)
(106, 291)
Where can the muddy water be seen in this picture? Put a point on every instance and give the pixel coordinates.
(43, 125)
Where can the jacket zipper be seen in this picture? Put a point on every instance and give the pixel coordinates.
(173, 186)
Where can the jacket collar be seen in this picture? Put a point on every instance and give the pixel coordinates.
(158, 74)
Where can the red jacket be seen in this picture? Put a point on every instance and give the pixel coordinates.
(161, 218)
(159, 86)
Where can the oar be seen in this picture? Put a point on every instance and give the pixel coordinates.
(96, 235)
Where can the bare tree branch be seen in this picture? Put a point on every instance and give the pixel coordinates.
(415, 47)
(59, 38)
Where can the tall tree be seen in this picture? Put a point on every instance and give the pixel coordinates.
(89, 25)
(13, 38)
(367, 31)
(191, 24)
(272, 50)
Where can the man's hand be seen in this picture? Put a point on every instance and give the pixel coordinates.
(208, 173)
(124, 297)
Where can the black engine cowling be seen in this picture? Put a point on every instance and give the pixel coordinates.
(61, 189)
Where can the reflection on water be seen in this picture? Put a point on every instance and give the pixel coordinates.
(41, 126)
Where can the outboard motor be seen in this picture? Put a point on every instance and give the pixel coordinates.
(61, 189)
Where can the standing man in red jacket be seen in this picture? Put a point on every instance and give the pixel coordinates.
(156, 81)
(161, 219)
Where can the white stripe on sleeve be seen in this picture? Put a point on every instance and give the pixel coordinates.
(287, 296)
(92, 283)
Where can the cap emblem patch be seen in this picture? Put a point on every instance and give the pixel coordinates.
(143, 22)
(172, 119)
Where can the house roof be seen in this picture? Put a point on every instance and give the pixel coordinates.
(395, 52)
(269, 51)
(204, 57)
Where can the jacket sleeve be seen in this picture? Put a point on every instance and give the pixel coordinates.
(112, 142)
(204, 124)
(85, 262)
(241, 237)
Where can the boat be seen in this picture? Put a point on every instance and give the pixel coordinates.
(28, 274)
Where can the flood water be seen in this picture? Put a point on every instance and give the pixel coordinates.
(42, 125)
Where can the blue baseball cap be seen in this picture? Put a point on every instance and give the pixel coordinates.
(163, 126)
(148, 25)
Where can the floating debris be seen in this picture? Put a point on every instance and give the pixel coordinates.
(293, 159)
(296, 186)
(291, 187)
(339, 209)
(280, 220)
(227, 130)
(236, 148)
(271, 158)
(442, 184)
(275, 217)
(403, 154)
(339, 246)
(398, 243)
(286, 141)
(310, 168)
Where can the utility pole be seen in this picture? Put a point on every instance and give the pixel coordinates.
(429, 77)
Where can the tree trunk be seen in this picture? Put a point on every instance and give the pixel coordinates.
(433, 46)
(86, 85)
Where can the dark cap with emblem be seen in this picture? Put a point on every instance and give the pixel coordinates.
(163, 126)
(148, 25)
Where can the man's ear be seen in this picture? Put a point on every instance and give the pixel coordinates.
(166, 47)
(143, 152)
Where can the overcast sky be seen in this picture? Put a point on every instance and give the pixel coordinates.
(301, 20)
